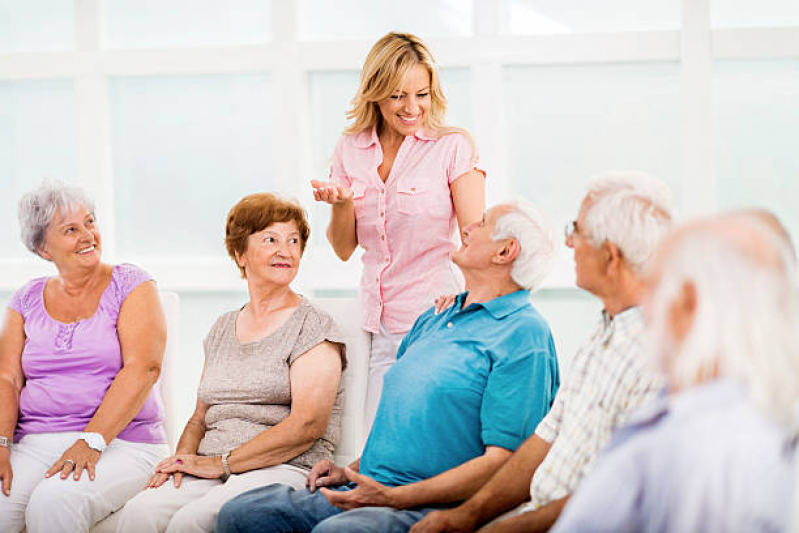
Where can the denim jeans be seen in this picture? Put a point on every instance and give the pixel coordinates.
(281, 509)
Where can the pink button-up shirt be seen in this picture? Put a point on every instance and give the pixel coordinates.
(407, 225)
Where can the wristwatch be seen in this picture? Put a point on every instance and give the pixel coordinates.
(95, 441)
(225, 466)
(5, 442)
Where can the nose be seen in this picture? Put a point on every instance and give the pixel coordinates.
(411, 105)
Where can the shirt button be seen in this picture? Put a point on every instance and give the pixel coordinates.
(382, 237)
(413, 189)
(377, 280)
(381, 213)
(449, 324)
(387, 259)
(382, 191)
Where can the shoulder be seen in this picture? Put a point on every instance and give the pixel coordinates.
(126, 277)
(223, 322)
(529, 331)
(24, 298)
(314, 318)
(456, 139)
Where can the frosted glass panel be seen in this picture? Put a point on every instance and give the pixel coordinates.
(178, 23)
(330, 94)
(185, 149)
(566, 124)
(35, 25)
(528, 17)
(37, 141)
(757, 120)
(746, 13)
(321, 20)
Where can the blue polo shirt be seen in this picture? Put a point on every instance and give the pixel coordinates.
(464, 379)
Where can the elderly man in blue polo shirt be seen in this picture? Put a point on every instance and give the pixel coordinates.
(470, 385)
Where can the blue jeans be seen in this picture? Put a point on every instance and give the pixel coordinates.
(281, 509)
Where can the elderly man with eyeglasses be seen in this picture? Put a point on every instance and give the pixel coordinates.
(621, 222)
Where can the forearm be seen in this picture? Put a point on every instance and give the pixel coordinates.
(454, 485)
(123, 400)
(341, 231)
(540, 520)
(510, 486)
(9, 408)
(355, 466)
(275, 446)
(190, 439)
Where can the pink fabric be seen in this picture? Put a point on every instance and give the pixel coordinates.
(407, 225)
(69, 367)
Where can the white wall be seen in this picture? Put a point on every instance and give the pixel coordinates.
(167, 111)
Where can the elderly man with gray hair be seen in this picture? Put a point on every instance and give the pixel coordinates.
(469, 386)
(621, 222)
(716, 454)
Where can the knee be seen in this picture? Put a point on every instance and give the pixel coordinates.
(61, 498)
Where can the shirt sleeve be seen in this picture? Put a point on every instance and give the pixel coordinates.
(20, 301)
(463, 157)
(549, 427)
(128, 277)
(318, 327)
(337, 174)
(518, 394)
(611, 492)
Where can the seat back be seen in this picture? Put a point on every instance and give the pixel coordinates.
(347, 314)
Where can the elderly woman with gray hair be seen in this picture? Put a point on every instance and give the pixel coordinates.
(80, 423)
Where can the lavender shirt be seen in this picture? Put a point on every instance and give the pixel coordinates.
(69, 367)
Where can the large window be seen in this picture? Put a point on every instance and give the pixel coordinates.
(168, 111)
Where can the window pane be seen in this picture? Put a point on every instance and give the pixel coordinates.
(322, 20)
(536, 17)
(36, 25)
(179, 23)
(746, 13)
(330, 94)
(568, 123)
(757, 117)
(185, 148)
(37, 141)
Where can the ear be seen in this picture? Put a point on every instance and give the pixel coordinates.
(682, 311)
(44, 254)
(613, 258)
(240, 260)
(507, 253)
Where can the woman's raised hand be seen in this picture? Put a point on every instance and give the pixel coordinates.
(325, 191)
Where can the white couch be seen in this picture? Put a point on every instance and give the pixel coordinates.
(179, 396)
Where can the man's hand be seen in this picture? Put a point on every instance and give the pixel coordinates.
(325, 474)
(369, 493)
(450, 521)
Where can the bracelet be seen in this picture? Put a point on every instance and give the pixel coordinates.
(225, 466)
(5, 442)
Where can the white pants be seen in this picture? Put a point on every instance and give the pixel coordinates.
(383, 356)
(196, 503)
(52, 505)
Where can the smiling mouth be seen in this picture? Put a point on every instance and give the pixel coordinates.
(409, 120)
(281, 265)
(88, 250)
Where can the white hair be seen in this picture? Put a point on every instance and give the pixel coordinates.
(37, 208)
(746, 324)
(533, 231)
(631, 210)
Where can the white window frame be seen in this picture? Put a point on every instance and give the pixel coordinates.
(289, 61)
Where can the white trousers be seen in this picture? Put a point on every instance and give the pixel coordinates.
(194, 505)
(383, 356)
(52, 505)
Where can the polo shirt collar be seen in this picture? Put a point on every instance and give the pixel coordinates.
(368, 138)
(502, 306)
(631, 315)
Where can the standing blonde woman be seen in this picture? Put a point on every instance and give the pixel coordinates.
(399, 182)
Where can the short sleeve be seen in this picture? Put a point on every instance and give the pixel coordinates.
(337, 174)
(317, 327)
(126, 278)
(463, 156)
(22, 300)
(523, 384)
(549, 427)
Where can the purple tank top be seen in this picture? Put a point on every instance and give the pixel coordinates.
(69, 367)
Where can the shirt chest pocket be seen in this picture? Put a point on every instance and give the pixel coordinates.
(415, 197)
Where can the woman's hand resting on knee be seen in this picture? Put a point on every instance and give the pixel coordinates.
(195, 465)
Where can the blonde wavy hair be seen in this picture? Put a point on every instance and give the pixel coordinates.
(385, 68)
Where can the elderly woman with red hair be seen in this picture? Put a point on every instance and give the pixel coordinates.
(270, 399)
